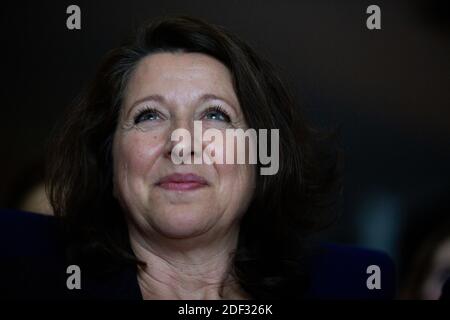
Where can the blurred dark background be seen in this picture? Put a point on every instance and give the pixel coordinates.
(388, 90)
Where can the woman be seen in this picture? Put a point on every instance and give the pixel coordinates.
(189, 231)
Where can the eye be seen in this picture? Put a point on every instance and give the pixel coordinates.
(147, 114)
(216, 113)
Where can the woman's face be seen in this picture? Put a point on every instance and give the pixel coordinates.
(165, 92)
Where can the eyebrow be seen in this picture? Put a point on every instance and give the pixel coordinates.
(160, 99)
(153, 97)
(209, 96)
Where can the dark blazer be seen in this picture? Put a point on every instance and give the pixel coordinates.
(33, 265)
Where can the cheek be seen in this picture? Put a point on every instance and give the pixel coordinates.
(236, 178)
(236, 182)
(220, 148)
(136, 153)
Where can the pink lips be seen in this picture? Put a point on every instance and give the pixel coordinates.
(182, 182)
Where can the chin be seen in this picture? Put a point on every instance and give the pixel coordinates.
(179, 224)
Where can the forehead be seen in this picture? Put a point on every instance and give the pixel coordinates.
(179, 76)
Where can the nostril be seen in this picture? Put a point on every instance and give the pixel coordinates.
(169, 153)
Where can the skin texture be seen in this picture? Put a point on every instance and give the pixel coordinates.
(187, 238)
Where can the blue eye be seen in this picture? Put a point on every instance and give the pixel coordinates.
(217, 113)
(148, 114)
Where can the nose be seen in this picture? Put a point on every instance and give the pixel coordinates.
(184, 144)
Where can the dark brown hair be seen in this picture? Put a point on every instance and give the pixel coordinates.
(286, 206)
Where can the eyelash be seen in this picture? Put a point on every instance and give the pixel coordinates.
(149, 110)
(218, 109)
(145, 111)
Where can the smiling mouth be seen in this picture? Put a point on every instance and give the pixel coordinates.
(182, 182)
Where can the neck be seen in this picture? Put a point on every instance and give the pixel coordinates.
(187, 268)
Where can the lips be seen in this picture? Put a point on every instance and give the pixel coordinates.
(182, 182)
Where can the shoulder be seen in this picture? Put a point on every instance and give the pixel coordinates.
(33, 263)
(28, 234)
(31, 255)
(340, 271)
